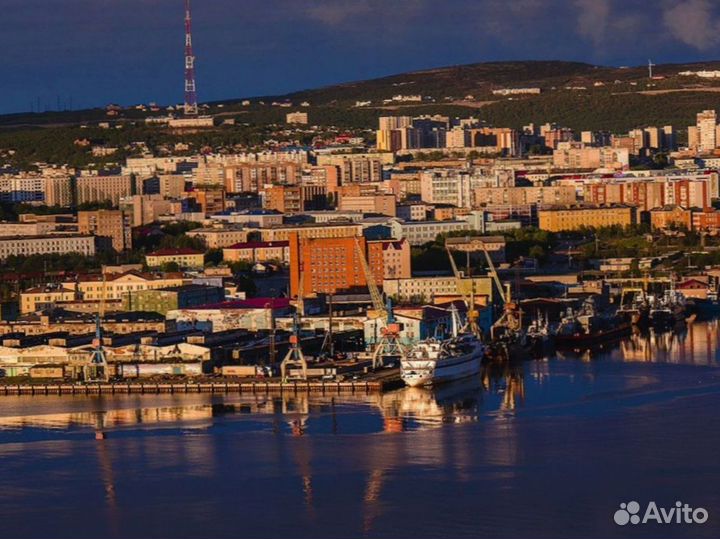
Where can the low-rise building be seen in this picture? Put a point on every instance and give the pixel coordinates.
(167, 299)
(219, 237)
(44, 297)
(560, 218)
(42, 245)
(426, 289)
(258, 251)
(184, 258)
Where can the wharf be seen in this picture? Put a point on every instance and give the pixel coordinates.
(373, 383)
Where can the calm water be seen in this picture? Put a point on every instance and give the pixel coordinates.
(545, 449)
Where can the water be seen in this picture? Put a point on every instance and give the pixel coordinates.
(546, 448)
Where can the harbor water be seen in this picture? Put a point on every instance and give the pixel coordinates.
(543, 448)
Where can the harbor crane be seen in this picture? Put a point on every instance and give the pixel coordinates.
(295, 356)
(97, 370)
(389, 344)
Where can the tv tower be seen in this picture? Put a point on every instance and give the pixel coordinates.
(191, 106)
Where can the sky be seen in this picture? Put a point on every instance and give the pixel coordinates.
(85, 53)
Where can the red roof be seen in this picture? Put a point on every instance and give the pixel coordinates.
(252, 303)
(259, 244)
(170, 252)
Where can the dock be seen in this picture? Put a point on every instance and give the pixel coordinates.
(374, 383)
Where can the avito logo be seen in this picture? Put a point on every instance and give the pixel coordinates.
(629, 513)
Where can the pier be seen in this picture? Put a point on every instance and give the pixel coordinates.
(375, 383)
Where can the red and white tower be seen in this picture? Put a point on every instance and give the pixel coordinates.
(191, 106)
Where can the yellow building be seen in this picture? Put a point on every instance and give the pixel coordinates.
(37, 298)
(561, 218)
(313, 231)
(118, 284)
(184, 258)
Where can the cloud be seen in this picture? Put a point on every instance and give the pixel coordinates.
(593, 20)
(693, 22)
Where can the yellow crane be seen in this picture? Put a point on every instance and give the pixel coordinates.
(389, 344)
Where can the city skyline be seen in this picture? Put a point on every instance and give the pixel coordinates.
(91, 54)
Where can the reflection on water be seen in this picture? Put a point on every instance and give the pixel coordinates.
(458, 460)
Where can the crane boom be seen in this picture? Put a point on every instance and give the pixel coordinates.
(375, 295)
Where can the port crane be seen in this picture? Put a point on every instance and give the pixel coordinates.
(389, 344)
(97, 370)
(295, 356)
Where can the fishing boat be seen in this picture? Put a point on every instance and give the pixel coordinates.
(538, 338)
(437, 360)
(668, 309)
(586, 327)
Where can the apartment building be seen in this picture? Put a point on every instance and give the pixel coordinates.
(382, 204)
(557, 194)
(564, 218)
(96, 188)
(111, 227)
(42, 245)
(115, 285)
(219, 237)
(184, 258)
(312, 231)
(258, 251)
(294, 198)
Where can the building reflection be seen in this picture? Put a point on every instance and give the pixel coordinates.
(696, 344)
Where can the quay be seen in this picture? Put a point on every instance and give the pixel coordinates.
(374, 384)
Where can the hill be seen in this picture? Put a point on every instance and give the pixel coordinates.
(577, 95)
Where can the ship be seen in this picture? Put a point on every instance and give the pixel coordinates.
(437, 360)
(668, 309)
(586, 327)
(537, 339)
(637, 311)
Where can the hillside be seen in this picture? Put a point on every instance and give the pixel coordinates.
(578, 95)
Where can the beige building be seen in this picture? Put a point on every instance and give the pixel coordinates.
(382, 204)
(312, 231)
(561, 194)
(296, 118)
(58, 191)
(575, 155)
(145, 209)
(184, 258)
(258, 251)
(94, 188)
(38, 298)
(117, 285)
(41, 245)
(427, 288)
(219, 237)
(575, 217)
(110, 226)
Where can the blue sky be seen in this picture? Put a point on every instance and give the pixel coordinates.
(128, 51)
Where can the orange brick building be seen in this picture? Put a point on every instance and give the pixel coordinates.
(332, 265)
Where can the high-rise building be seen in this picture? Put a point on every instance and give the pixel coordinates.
(111, 227)
(706, 131)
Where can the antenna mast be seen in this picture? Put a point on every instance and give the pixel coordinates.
(191, 106)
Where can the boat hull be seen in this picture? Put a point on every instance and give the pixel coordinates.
(590, 339)
(422, 372)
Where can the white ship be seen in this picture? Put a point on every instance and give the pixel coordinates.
(434, 361)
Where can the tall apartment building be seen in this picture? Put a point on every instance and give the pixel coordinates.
(576, 155)
(210, 200)
(111, 227)
(58, 191)
(96, 188)
(555, 194)
(294, 198)
(251, 177)
(707, 136)
(446, 186)
(22, 188)
(145, 209)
